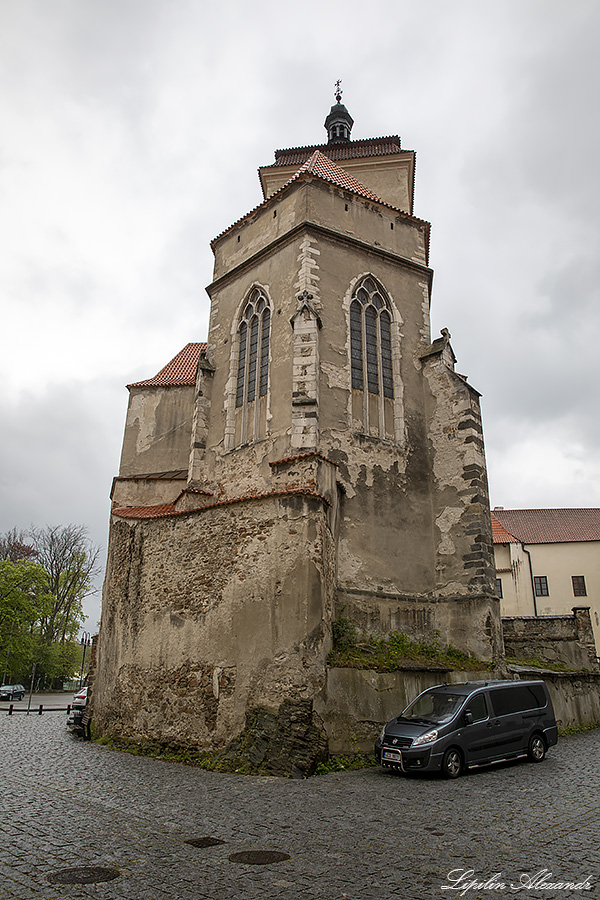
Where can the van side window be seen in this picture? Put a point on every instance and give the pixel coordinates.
(477, 707)
(510, 700)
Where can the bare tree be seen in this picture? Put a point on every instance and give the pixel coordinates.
(14, 546)
(70, 559)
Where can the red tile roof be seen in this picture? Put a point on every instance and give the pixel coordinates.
(320, 165)
(550, 526)
(382, 146)
(168, 509)
(179, 372)
(499, 533)
(146, 512)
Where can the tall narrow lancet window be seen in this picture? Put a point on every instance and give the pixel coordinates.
(371, 360)
(252, 380)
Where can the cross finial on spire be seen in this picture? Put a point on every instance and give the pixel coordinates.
(338, 90)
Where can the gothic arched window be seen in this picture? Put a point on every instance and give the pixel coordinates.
(252, 380)
(371, 358)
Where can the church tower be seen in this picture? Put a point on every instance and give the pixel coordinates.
(319, 455)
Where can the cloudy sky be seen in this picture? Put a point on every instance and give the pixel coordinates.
(131, 135)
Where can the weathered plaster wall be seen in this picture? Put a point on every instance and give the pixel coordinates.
(140, 491)
(206, 614)
(157, 430)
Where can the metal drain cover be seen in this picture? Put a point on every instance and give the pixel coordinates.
(207, 841)
(259, 857)
(84, 875)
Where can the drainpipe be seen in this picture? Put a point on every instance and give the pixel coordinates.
(523, 548)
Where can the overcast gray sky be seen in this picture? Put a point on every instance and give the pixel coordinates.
(131, 135)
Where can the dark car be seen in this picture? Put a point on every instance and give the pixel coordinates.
(453, 727)
(12, 692)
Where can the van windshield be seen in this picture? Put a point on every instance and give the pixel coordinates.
(436, 707)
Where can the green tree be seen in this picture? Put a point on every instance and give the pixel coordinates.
(25, 600)
(46, 574)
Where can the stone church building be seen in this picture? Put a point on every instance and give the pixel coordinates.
(318, 456)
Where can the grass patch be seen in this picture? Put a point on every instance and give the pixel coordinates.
(577, 729)
(346, 763)
(395, 652)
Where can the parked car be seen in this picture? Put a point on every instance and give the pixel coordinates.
(453, 727)
(77, 711)
(12, 692)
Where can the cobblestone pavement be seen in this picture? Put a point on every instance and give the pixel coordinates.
(366, 835)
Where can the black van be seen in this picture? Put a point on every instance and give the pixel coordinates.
(453, 727)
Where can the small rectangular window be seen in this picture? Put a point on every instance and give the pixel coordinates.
(579, 585)
(499, 588)
(541, 586)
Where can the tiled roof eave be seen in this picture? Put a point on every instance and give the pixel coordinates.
(178, 372)
(378, 143)
(552, 526)
(168, 510)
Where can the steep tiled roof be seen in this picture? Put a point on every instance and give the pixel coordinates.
(550, 526)
(322, 167)
(179, 372)
(382, 146)
(499, 533)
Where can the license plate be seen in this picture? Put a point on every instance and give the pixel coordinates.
(394, 755)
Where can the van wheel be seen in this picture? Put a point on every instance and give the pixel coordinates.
(452, 763)
(537, 748)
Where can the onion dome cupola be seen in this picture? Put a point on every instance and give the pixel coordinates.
(339, 122)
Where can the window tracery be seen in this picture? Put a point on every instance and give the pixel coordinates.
(252, 367)
(371, 364)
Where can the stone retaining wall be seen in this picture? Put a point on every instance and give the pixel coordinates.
(553, 639)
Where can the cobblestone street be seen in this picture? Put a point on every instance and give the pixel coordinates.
(365, 835)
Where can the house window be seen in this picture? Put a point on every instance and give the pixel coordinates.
(579, 585)
(541, 586)
(371, 357)
(499, 588)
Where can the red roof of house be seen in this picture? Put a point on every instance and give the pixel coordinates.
(548, 526)
(499, 533)
(179, 372)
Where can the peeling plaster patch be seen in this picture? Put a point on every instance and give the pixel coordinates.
(357, 459)
(452, 589)
(337, 376)
(446, 521)
(348, 564)
(144, 413)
